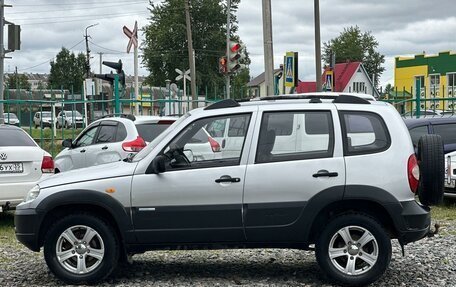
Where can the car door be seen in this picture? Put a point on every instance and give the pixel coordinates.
(81, 147)
(193, 200)
(294, 158)
(107, 146)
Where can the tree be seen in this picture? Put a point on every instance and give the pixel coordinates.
(18, 81)
(67, 71)
(354, 45)
(165, 45)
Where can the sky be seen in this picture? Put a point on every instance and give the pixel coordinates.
(402, 28)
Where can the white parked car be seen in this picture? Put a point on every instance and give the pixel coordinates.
(11, 119)
(22, 164)
(43, 119)
(110, 139)
(69, 119)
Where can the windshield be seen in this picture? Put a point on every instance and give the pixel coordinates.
(145, 151)
(70, 114)
(11, 116)
(150, 131)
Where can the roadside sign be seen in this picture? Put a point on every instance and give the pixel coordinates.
(291, 69)
(185, 74)
(328, 84)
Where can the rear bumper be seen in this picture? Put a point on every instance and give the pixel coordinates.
(26, 222)
(15, 192)
(412, 221)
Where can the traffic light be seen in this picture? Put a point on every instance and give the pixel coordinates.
(111, 77)
(235, 56)
(222, 65)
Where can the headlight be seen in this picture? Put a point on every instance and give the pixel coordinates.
(32, 194)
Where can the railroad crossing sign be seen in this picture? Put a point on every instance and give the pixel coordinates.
(133, 35)
(185, 74)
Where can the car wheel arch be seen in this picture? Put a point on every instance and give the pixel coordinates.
(102, 205)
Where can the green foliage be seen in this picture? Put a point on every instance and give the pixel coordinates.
(354, 45)
(165, 45)
(18, 81)
(67, 71)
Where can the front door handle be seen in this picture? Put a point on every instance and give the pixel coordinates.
(104, 148)
(82, 151)
(223, 143)
(324, 172)
(227, 178)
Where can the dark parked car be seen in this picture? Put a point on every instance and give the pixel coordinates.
(443, 126)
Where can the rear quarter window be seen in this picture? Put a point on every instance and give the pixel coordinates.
(364, 133)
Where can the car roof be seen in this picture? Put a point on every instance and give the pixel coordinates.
(336, 94)
(411, 122)
(11, 127)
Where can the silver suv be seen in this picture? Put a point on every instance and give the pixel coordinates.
(335, 176)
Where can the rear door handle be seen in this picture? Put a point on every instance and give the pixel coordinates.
(82, 151)
(104, 148)
(227, 178)
(324, 172)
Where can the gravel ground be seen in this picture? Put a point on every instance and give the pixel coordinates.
(429, 262)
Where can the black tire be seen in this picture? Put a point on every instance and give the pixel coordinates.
(383, 243)
(110, 243)
(58, 126)
(432, 169)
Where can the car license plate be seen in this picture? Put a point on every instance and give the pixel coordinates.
(15, 167)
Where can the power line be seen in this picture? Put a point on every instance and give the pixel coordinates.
(85, 19)
(77, 9)
(74, 3)
(78, 16)
(47, 61)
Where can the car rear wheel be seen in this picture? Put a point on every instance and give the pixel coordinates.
(432, 169)
(353, 249)
(81, 248)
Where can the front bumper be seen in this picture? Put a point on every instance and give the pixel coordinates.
(27, 222)
(412, 221)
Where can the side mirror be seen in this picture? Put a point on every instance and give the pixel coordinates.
(158, 164)
(67, 143)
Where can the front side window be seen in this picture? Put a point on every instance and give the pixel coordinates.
(364, 133)
(195, 147)
(295, 135)
(87, 138)
(447, 132)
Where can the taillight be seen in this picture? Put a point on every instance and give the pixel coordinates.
(135, 145)
(47, 166)
(413, 172)
(214, 145)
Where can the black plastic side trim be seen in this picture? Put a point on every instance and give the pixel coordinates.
(348, 99)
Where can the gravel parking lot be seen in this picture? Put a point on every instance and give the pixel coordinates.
(429, 262)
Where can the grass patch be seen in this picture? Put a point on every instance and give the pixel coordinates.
(52, 144)
(446, 211)
(7, 228)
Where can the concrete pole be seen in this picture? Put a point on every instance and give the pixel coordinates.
(191, 56)
(317, 45)
(99, 83)
(136, 79)
(2, 57)
(268, 48)
(228, 33)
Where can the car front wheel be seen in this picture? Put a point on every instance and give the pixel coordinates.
(353, 249)
(81, 248)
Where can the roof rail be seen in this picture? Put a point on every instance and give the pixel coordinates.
(125, 116)
(347, 99)
(228, 103)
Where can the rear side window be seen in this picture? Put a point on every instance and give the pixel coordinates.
(417, 133)
(15, 138)
(295, 135)
(447, 132)
(121, 132)
(150, 131)
(364, 133)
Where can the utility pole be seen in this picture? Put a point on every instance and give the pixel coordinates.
(268, 48)
(191, 55)
(228, 34)
(2, 57)
(88, 50)
(317, 45)
(99, 83)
